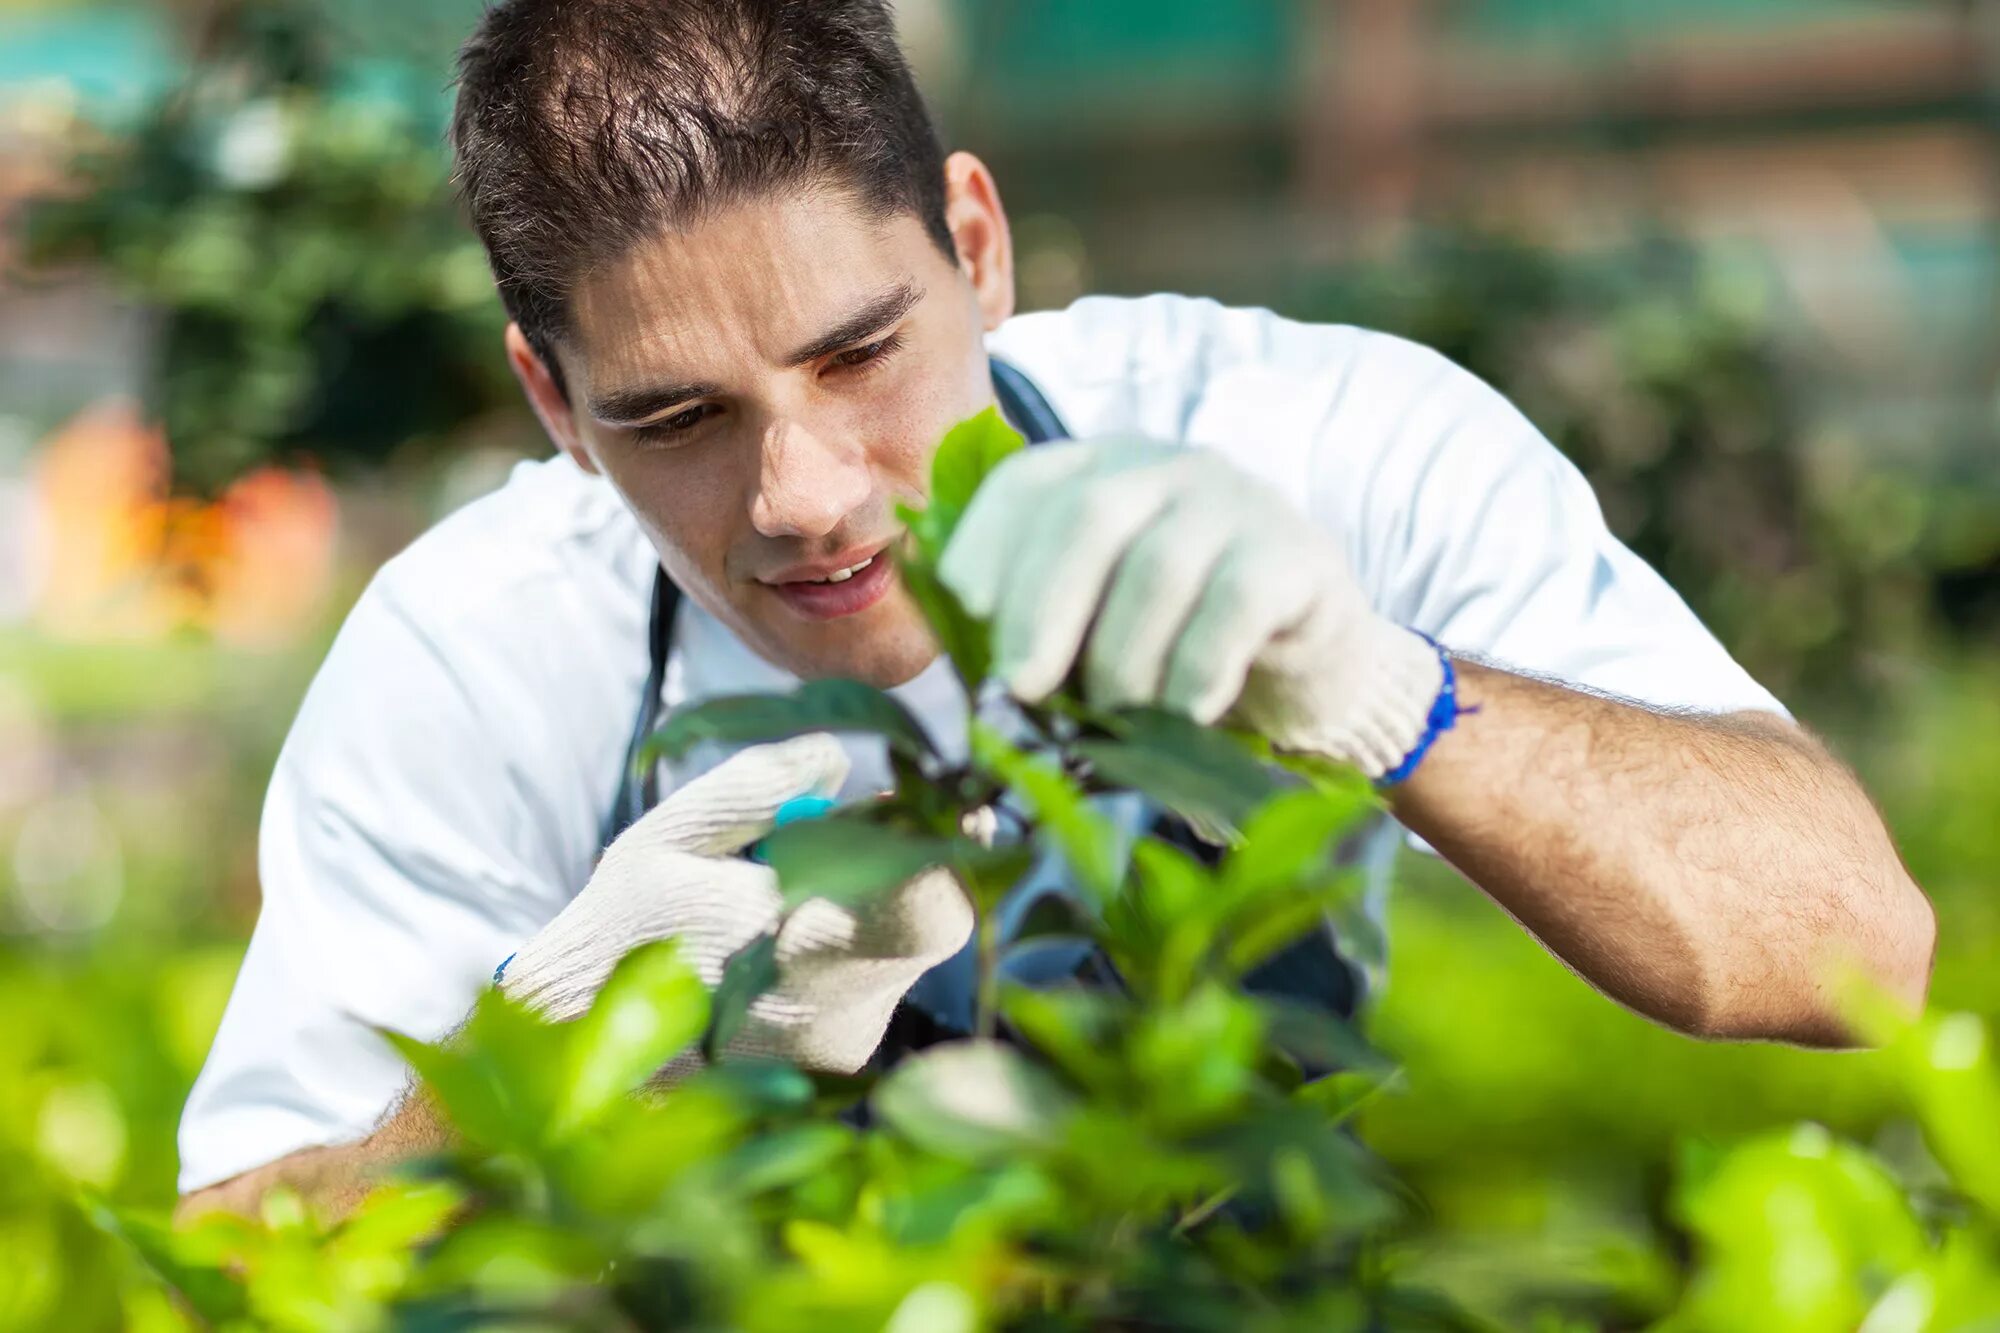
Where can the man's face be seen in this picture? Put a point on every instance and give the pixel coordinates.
(761, 387)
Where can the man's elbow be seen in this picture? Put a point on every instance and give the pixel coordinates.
(1889, 948)
(1905, 963)
(330, 1180)
(239, 1194)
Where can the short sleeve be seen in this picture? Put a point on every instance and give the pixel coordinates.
(1464, 522)
(402, 856)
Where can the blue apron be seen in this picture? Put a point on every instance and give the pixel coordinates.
(1034, 948)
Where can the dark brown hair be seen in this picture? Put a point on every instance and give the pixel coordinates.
(583, 126)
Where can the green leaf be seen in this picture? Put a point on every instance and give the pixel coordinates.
(1341, 1095)
(1333, 779)
(967, 454)
(400, 1216)
(1255, 928)
(652, 1008)
(1073, 1027)
(1789, 1204)
(1201, 774)
(963, 639)
(208, 1289)
(989, 873)
(1290, 838)
(785, 1157)
(965, 457)
(1087, 840)
(974, 1101)
(1318, 1039)
(466, 1091)
(819, 705)
(848, 858)
(1196, 1060)
(750, 971)
(1949, 1067)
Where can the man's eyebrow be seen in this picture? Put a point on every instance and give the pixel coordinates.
(885, 309)
(630, 406)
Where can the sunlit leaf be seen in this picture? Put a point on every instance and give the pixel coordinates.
(1254, 931)
(1949, 1066)
(205, 1285)
(1287, 839)
(963, 639)
(401, 1215)
(973, 1100)
(1087, 840)
(967, 455)
(846, 859)
(466, 1091)
(1319, 1040)
(1072, 1026)
(1198, 1058)
(1343, 1094)
(652, 1008)
(1796, 1230)
(785, 1157)
(1197, 772)
(750, 971)
(1342, 783)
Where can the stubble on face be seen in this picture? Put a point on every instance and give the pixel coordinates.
(789, 462)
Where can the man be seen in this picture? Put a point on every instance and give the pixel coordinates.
(749, 294)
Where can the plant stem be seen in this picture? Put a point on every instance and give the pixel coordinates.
(987, 998)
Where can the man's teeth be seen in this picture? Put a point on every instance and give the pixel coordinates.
(843, 575)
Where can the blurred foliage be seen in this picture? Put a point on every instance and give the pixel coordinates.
(1658, 371)
(1158, 1158)
(316, 296)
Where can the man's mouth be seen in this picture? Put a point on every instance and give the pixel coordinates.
(826, 591)
(843, 575)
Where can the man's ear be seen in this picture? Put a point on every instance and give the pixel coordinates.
(546, 397)
(979, 231)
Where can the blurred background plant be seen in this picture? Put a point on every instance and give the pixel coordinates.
(312, 296)
(1738, 259)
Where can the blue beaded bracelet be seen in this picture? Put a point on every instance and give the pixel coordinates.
(1444, 714)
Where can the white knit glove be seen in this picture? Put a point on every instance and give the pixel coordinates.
(675, 873)
(1184, 582)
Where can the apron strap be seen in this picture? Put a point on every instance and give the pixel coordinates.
(637, 790)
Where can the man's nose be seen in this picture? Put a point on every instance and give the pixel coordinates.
(806, 485)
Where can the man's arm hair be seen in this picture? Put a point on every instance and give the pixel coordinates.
(1714, 872)
(332, 1179)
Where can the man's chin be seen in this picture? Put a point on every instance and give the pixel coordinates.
(884, 650)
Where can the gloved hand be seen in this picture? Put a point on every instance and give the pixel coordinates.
(1198, 588)
(675, 873)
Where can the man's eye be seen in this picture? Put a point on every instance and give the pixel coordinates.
(875, 351)
(666, 428)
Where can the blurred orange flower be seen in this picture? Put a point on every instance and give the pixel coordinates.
(122, 558)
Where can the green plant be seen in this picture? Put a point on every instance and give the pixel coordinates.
(1170, 1149)
(1797, 1230)
(1168, 1152)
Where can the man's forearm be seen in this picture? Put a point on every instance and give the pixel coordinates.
(1715, 873)
(335, 1178)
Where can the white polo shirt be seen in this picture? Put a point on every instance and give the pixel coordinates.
(440, 795)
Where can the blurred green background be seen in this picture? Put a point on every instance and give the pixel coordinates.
(1740, 259)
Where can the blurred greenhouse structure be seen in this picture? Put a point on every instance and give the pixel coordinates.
(1819, 176)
